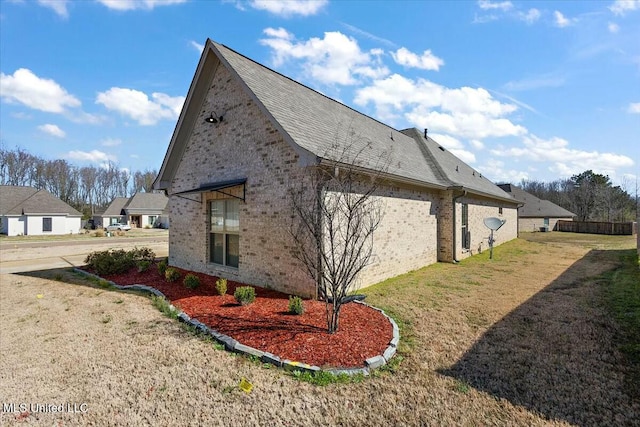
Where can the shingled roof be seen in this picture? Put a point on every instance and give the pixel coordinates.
(116, 206)
(534, 207)
(322, 128)
(146, 202)
(139, 203)
(19, 200)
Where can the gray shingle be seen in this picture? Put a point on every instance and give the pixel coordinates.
(327, 128)
(18, 200)
(116, 206)
(147, 202)
(534, 207)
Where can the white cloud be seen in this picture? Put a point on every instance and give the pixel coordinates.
(335, 59)
(495, 169)
(427, 61)
(463, 112)
(613, 27)
(197, 46)
(58, 6)
(290, 7)
(477, 144)
(634, 108)
(474, 125)
(565, 161)
(111, 142)
(139, 107)
(52, 130)
(137, 4)
(94, 156)
(278, 33)
(620, 7)
(35, 92)
(446, 141)
(455, 146)
(560, 20)
(489, 5)
(531, 16)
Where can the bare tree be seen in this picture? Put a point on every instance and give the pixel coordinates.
(143, 181)
(335, 214)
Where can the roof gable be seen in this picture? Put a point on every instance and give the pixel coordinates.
(116, 206)
(19, 200)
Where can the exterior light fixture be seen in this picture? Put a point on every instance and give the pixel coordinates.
(213, 118)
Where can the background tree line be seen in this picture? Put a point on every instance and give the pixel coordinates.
(86, 188)
(591, 196)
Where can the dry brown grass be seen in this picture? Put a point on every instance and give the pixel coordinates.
(519, 340)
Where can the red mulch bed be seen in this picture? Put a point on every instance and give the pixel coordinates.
(266, 324)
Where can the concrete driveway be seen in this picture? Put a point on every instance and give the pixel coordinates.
(29, 255)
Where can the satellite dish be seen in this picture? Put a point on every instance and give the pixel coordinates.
(493, 223)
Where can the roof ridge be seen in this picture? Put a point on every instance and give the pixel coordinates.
(305, 86)
(431, 160)
(24, 200)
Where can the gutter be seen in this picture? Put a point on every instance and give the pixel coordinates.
(454, 200)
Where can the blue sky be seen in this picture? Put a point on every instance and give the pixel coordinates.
(518, 90)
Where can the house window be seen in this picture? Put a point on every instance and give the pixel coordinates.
(224, 237)
(47, 224)
(500, 210)
(466, 235)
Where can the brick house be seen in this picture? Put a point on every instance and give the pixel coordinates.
(246, 132)
(536, 214)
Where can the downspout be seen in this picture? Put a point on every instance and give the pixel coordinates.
(319, 202)
(454, 200)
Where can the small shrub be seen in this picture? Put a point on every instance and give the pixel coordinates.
(245, 295)
(143, 254)
(114, 261)
(295, 305)
(171, 274)
(162, 267)
(111, 261)
(221, 286)
(98, 233)
(191, 281)
(143, 265)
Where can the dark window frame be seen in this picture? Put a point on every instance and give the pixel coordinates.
(47, 224)
(224, 236)
(466, 234)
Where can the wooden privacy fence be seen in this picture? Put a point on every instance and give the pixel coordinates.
(595, 227)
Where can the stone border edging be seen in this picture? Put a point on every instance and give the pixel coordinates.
(234, 346)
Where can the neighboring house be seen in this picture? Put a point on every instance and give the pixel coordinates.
(140, 210)
(536, 214)
(144, 209)
(246, 133)
(33, 212)
(114, 213)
